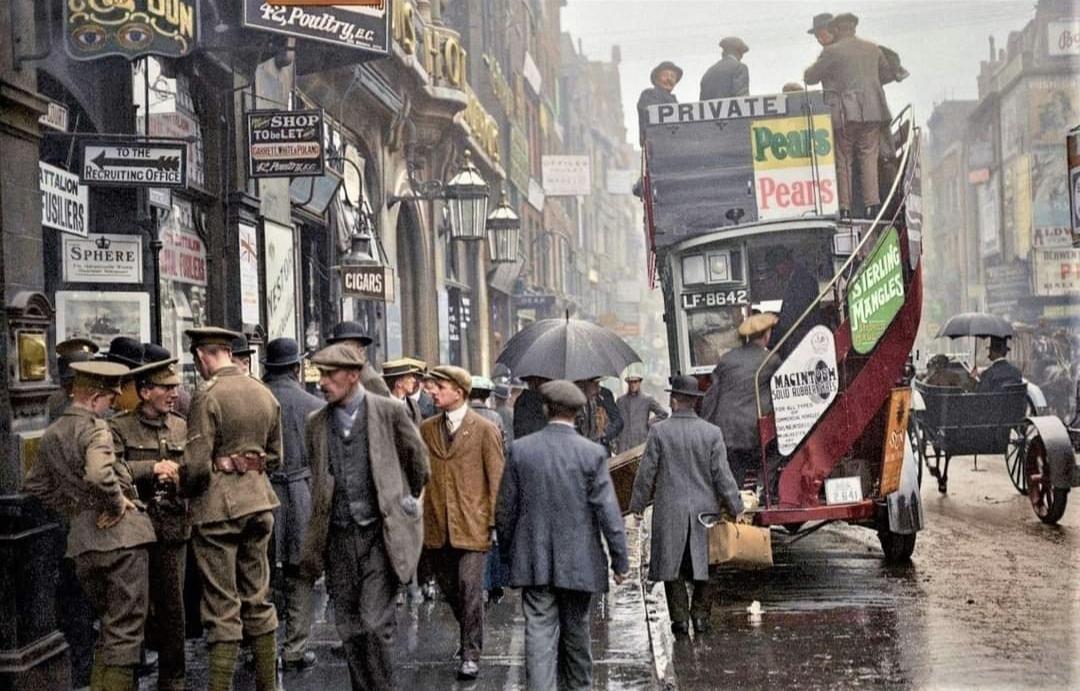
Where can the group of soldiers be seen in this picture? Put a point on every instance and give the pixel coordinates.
(852, 72)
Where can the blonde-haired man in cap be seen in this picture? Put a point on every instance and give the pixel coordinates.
(459, 505)
(728, 77)
(234, 440)
(368, 469)
(731, 402)
(150, 440)
(402, 376)
(76, 473)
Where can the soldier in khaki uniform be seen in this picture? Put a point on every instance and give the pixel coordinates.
(150, 439)
(234, 440)
(76, 472)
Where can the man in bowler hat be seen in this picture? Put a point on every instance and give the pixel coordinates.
(556, 501)
(728, 77)
(664, 77)
(368, 469)
(352, 334)
(684, 473)
(1000, 373)
(292, 484)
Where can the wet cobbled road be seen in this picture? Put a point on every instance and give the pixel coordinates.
(990, 600)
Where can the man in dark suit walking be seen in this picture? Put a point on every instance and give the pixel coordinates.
(555, 502)
(368, 468)
(728, 77)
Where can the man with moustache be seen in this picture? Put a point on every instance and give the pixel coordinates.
(368, 469)
(664, 77)
(352, 334)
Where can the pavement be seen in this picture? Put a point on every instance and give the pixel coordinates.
(427, 639)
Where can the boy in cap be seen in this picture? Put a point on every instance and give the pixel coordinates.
(368, 469)
(459, 505)
(234, 440)
(76, 473)
(729, 77)
(150, 441)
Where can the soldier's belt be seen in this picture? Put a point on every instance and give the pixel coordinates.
(241, 462)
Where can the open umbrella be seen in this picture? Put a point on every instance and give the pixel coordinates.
(567, 349)
(979, 324)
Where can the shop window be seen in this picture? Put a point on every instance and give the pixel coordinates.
(183, 281)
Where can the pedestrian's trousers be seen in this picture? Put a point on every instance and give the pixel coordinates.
(115, 582)
(558, 652)
(297, 614)
(168, 564)
(363, 589)
(460, 575)
(235, 570)
(680, 607)
(857, 144)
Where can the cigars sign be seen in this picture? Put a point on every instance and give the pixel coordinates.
(368, 282)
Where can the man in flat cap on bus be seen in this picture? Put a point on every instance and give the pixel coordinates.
(234, 441)
(728, 77)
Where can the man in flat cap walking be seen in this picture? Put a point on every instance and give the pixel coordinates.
(555, 503)
(684, 473)
(459, 505)
(352, 334)
(150, 440)
(728, 77)
(234, 441)
(402, 376)
(76, 473)
(368, 469)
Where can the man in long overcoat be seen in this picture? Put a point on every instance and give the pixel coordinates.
(731, 402)
(459, 505)
(684, 473)
(368, 468)
(639, 411)
(729, 77)
(555, 503)
(292, 484)
(850, 70)
(664, 77)
(352, 334)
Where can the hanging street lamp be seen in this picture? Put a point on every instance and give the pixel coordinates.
(503, 233)
(467, 194)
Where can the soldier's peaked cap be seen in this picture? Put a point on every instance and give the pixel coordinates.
(100, 374)
(160, 373)
(563, 393)
(210, 335)
(337, 356)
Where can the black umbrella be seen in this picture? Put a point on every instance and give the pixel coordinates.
(979, 324)
(567, 349)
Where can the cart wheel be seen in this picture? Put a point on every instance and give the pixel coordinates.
(897, 547)
(1047, 501)
(1014, 457)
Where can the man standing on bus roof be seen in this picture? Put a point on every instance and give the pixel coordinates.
(728, 77)
(664, 77)
(850, 70)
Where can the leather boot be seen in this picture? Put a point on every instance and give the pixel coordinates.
(265, 649)
(117, 678)
(222, 666)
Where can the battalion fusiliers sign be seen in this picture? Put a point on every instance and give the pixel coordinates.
(876, 294)
(285, 143)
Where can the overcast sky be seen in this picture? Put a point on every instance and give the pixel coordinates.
(940, 43)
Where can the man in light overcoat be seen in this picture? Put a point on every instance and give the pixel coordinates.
(639, 412)
(368, 468)
(684, 473)
(292, 483)
(555, 503)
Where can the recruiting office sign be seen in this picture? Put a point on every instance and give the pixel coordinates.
(804, 387)
(876, 294)
(285, 143)
(153, 164)
(364, 27)
(64, 202)
(129, 28)
(787, 154)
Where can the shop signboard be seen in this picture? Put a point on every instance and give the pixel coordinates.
(65, 204)
(804, 387)
(372, 282)
(285, 143)
(566, 176)
(519, 158)
(1056, 271)
(130, 28)
(280, 280)
(183, 255)
(988, 202)
(1063, 38)
(249, 273)
(539, 302)
(103, 258)
(361, 27)
(143, 164)
(876, 294)
(56, 117)
(1055, 236)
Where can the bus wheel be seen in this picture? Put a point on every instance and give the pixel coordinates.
(897, 547)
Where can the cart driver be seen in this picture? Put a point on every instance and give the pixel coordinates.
(1001, 372)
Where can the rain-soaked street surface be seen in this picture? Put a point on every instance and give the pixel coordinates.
(991, 600)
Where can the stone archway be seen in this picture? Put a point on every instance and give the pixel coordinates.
(419, 315)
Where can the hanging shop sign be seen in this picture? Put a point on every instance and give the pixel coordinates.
(876, 294)
(1056, 271)
(804, 387)
(368, 282)
(285, 143)
(103, 259)
(55, 118)
(1063, 38)
(65, 204)
(129, 28)
(362, 27)
(566, 176)
(153, 164)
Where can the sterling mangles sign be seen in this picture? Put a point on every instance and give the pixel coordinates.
(153, 164)
(64, 202)
(804, 387)
(876, 294)
(786, 152)
(284, 143)
(361, 27)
